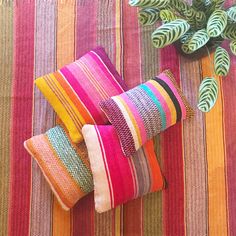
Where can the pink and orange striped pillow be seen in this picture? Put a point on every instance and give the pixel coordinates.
(75, 90)
(146, 110)
(118, 179)
(64, 164)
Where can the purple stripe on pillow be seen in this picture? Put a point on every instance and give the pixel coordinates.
(137, 116)
(101, 52)
(116, 117)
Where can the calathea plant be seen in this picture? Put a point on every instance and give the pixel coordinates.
(193, 28)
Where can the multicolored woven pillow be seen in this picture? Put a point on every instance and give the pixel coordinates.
(118, 179)
(64, 164)
(146, 110)
(76, 90)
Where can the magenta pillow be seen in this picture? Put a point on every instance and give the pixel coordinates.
(118, 179)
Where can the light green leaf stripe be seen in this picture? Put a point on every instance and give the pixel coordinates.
(208, 93)
(180, 5)
(199, 39)
(148, 16)
(187, 36)
(148, 3)
(216, 23)
(221, 61)
(229, 32)
(233, 47)
(198, 5)
(218, 3)
(169, 33)
(167, 16)
(232, 13)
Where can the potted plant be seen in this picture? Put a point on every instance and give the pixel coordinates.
(196, 30)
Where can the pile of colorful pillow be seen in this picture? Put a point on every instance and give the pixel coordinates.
(86, 152)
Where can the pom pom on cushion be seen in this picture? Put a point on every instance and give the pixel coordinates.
(146, 110)
(65, 165)
(118, 179)
(75, 90)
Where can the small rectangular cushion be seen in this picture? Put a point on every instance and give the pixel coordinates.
(146, 110)
(118, 179)
(64, 164)
(75, 90)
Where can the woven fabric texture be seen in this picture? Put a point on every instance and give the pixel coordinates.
(118, 179)
(144, 111)
(197, 156)
(64, 164)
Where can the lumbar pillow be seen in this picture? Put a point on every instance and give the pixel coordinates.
(118, 179)
(64, 164)
(146, 110)
(75, 90)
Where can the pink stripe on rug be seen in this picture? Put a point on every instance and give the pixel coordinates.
(21, 120)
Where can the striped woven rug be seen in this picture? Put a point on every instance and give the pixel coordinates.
(197, 156)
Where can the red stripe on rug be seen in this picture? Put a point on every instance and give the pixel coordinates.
(86, 34)
(21, 120)
(83, 216)
(229, 107)
(172, 156)
(132, 211)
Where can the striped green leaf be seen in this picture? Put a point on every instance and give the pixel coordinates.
(201, 20)
(186, 49)
(180, 5)
(208, 93)
(148, 16)
(216, 23)
(167, 16)
(207, 3)
(169, 33)
(187, 36)
(221, 61)
(229, 32)
(233, 47)
(218, 3)
(232, 13)
(199, 39)
(148, 3)
(210, 8)
(198, 5)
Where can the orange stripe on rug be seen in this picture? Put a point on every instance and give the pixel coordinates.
(65, 40)
(216, 162)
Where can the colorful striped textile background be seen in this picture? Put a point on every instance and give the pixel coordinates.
(197, 157)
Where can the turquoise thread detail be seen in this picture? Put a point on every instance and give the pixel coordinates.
(149, 92)
(71, 160)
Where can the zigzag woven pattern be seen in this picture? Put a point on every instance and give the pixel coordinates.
(64, 164)
(146, 110)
